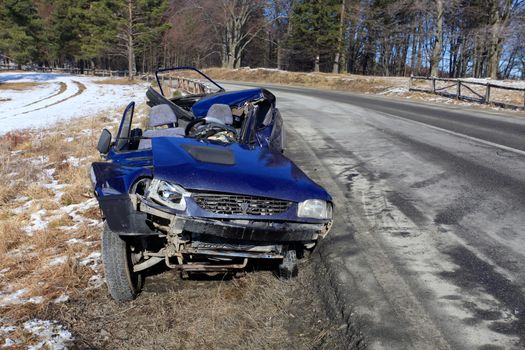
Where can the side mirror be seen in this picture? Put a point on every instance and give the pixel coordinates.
(104, 142)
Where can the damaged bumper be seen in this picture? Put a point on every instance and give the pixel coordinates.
(128, 216)
(248, 230)
(131, 215)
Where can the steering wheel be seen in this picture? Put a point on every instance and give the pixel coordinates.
(192, 124)
(208, 129)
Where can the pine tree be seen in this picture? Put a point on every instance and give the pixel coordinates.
(98, 30)
(315, 28)
(20, 29)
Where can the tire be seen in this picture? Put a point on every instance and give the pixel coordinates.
(288, 268)
(123, 284)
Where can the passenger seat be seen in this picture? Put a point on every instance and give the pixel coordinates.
(160, 115)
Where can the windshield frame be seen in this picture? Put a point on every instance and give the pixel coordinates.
(161, 70)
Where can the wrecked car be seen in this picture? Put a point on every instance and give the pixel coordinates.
(205, 190)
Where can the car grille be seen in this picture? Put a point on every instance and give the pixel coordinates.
(219, 203)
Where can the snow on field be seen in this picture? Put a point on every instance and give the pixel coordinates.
(59, 97)
(53, 334)
(510, 83)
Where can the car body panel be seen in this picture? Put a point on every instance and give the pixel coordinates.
(231, 98)
(257, 171)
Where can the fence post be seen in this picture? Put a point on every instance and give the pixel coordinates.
(410, 82)
(433, 85)
(459, 90)
(487, 94)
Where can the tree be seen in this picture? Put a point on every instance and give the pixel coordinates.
(140, 23)
(438, 39)
(315, 28)
(340, 38)
(20, 30)
(98, 29)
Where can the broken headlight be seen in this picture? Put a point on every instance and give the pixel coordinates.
(315, 209)
(168, 194)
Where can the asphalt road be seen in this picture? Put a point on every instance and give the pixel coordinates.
(427, 249)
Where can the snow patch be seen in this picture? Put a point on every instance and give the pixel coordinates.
(96, 281)
(61, 299)
(74, 161)
(8, 343)
(16, 298)
(59, 260)
(42, 105)
(92, 261)
(52, 334)
(37, 223)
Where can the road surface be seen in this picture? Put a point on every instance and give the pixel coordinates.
(427, 249)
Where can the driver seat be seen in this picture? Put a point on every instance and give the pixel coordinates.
(220, 113)
(160, 115)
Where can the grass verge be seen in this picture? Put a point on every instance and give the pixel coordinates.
(19, 86)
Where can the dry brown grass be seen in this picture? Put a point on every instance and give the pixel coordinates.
(12, 235)
(41, 172)
(256, 311)
(19, 86)
(117, 81)
(347, 82)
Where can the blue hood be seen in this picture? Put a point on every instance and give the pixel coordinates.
(231, 98)
(232, 169)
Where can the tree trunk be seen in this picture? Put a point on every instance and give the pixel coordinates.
(438, 40)
(131, 52)
(419, 57)
(339, 39)
(493, 57)
(500, 14)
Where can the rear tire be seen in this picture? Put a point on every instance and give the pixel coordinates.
(123, 284)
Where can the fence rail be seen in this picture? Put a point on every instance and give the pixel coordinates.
(465, 90)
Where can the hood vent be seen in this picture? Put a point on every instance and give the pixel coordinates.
(213, 155)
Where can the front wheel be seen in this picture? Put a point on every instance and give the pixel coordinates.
(288, 268)
(118, 257)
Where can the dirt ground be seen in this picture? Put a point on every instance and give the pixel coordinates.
(253, 311)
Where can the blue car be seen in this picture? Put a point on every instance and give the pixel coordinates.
(204, 188)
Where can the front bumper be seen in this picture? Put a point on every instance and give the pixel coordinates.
(131, 217)
(251, 230)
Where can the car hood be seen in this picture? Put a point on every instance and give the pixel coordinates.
(204, 166)
(231, 98)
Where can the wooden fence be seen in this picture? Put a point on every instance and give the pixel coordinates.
(171, 84)
(486, 93)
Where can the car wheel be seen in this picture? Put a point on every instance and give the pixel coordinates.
(288, 268)
(118, 258)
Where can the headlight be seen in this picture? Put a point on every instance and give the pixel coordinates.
(167, 194)
(315, 209)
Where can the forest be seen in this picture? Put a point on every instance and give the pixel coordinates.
(448, 38)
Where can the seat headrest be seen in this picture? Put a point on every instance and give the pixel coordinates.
(220, 112)
(161, 115)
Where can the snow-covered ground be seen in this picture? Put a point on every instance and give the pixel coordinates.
(60, 97)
